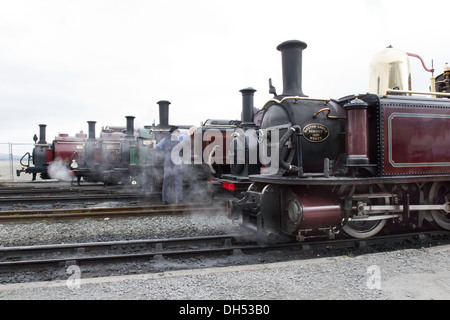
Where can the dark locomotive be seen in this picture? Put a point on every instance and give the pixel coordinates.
(239, 146)
(350, 166)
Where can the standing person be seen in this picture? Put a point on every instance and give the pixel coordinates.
(173, 174)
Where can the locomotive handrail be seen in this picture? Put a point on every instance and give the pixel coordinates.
(220, 125)
(295, 98)
(327, 110)
(29, 160)
(210, 160)
(431, 93)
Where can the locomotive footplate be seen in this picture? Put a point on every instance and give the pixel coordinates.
(309, 180)
(234, 183)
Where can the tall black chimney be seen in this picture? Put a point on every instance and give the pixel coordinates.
(163, 113)
(291, 55)
(42, 134)
(130, 126)
(247, 107)
(91, 125)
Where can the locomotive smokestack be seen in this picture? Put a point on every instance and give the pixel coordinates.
(91, 125)
(163, 113)
(42, 134)
(247, 106)
(130, 126)
(291, 55)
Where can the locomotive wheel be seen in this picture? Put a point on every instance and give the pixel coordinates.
(439, 191)
(44, 176)
(363, 229)
(366, 229)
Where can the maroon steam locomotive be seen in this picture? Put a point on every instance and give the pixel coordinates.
(64, 148)
(353, 166)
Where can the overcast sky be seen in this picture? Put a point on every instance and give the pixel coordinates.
(63, 63)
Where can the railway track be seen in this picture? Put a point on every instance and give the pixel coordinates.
(17, 216)
(46, 197)
(79, 253)
(41, 197)
(55, 187)
(12, 258)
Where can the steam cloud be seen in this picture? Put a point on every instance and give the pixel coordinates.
(58, 170)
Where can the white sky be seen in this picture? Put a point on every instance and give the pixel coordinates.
(63, 63)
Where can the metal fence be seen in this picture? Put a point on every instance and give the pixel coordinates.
(10, 155)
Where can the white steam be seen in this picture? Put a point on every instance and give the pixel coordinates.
(58, 170)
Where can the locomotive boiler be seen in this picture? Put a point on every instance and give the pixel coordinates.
(348, 166)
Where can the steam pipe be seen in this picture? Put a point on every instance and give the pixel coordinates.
(291, 55)
(163, 113)
(42, 134)
(283, 164)
(423, 63)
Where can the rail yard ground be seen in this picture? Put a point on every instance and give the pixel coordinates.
(411, 272)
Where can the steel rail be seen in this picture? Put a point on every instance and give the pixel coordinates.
(82, 213)
(72, 197)
(12, 257)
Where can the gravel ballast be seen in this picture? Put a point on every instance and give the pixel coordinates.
(419, 273)
(117, 229)
(407, 274)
